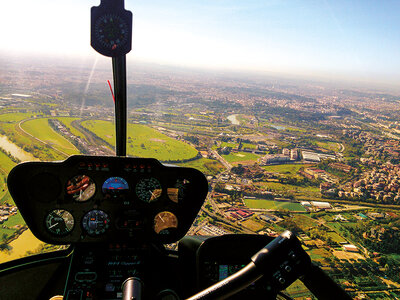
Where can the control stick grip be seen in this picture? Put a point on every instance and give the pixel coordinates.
(132, 289)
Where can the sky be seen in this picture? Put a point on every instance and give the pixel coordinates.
(354, 39)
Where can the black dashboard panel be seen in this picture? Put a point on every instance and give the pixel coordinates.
(104, 199)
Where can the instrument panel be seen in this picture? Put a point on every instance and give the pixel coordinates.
(105, 199)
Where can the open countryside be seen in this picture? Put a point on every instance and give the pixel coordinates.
(325, 171)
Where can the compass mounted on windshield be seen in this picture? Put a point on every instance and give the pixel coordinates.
(111, 28)
(111, 35)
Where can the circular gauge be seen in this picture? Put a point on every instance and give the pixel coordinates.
(178, 192)
(164, 222)
(148, 189)
(59, 222)
(96, 222)
(81, 188)
(115, 186)
(111, 31)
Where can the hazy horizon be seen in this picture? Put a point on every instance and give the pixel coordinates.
(330, 39)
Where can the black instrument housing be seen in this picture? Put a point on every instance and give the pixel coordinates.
(40, 187)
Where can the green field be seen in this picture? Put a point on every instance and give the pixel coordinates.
(225, 144)
(6, 164)
(304, 222)
(319, 254)
(236, 157)
(331, 146)
(286, 169)
(249, 146)
(144, 141)
(271, 204)
(15, 117)
(303, 192)
(205, 165)
(14, 220)
(335, 237)
(40, 129)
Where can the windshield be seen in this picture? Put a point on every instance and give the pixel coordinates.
(290, 109)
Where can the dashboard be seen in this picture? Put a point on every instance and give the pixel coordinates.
(104, 199)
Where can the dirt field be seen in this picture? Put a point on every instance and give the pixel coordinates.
(348, 255)
(252, 225)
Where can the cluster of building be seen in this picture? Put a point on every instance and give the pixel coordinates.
(7, 211)
(211, 230)
(291, 155)
(375, 146)
(314, 173)
(238, 214)
(381, 184)
(315, 205)
(280, 158)
(315, 157)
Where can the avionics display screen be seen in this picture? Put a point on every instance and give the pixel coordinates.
(225, 271)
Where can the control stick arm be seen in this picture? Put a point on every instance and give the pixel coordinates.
(282, 262)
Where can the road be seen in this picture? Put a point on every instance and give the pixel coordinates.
(226, 164)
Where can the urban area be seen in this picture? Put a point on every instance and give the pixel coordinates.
(315, 158)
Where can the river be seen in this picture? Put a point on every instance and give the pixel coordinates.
(15, 150)
(233, 119)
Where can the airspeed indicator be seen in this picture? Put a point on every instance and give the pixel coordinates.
(59, 222)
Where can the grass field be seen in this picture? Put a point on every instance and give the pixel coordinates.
(249, 146)
(40, 129)
(319, 254)
(14, 220)
(286, 169)
(303, 192)
(6, 198)
(144, 141)
(298, 290)
(335, 237)
(304, 222)
(225, 144)
(25, 242)
(6, 164)
(332, 146)
(275, 205)
(15, 117)
(236, 157)
(6, 232)
(252, 225)
(205, 165)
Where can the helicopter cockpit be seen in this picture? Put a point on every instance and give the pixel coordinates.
(121, 214)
